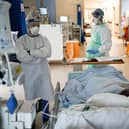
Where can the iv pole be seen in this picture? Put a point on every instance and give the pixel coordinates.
(9, 68)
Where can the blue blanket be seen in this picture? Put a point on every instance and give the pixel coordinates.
(90, 82)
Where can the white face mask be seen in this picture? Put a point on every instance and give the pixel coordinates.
(96, 21)
(34, 30)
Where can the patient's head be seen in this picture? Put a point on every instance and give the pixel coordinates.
(125, 92)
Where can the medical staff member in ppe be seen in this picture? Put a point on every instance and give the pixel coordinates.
(33, 51)
(101, 42)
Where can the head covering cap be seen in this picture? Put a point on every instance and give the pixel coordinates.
(31, 20)
(98, 12)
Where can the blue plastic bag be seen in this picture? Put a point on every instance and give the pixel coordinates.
(12, 103)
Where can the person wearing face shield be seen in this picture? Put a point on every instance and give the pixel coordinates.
(101, 42)
(33, 51)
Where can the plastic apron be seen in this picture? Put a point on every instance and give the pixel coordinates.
(37, 81)
(94, 44)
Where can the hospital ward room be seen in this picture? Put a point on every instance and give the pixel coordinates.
(64, 64)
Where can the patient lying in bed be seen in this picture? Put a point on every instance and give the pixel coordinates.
(102, 111)
(90, 82)
(93, 101)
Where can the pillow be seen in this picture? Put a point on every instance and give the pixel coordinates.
(108, 99)
(108, 118)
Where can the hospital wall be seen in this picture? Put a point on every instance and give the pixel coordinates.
(67, 8)
(125, 7)
(30, 3)
(17, 89)
(112, 10)
(63, 8)
(107, 6)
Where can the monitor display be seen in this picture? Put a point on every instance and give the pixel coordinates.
(43, 11)
(63, 18)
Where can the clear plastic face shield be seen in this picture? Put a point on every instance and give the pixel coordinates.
(98, 16)
(33, 28)
(97, 20)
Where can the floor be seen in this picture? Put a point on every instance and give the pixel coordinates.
(59, 72)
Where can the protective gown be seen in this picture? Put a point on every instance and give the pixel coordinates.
(37, 82)
(100, 40)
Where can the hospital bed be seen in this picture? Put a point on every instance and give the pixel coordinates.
(56, 109)
(75, 109)
(54, 112)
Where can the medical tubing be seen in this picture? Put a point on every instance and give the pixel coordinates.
(45, 107)
(18, 78)
(43, 112)
(49, 115)
(89, 122)
(45, 127)
(9, 67)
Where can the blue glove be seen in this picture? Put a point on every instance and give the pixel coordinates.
(95, 51)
